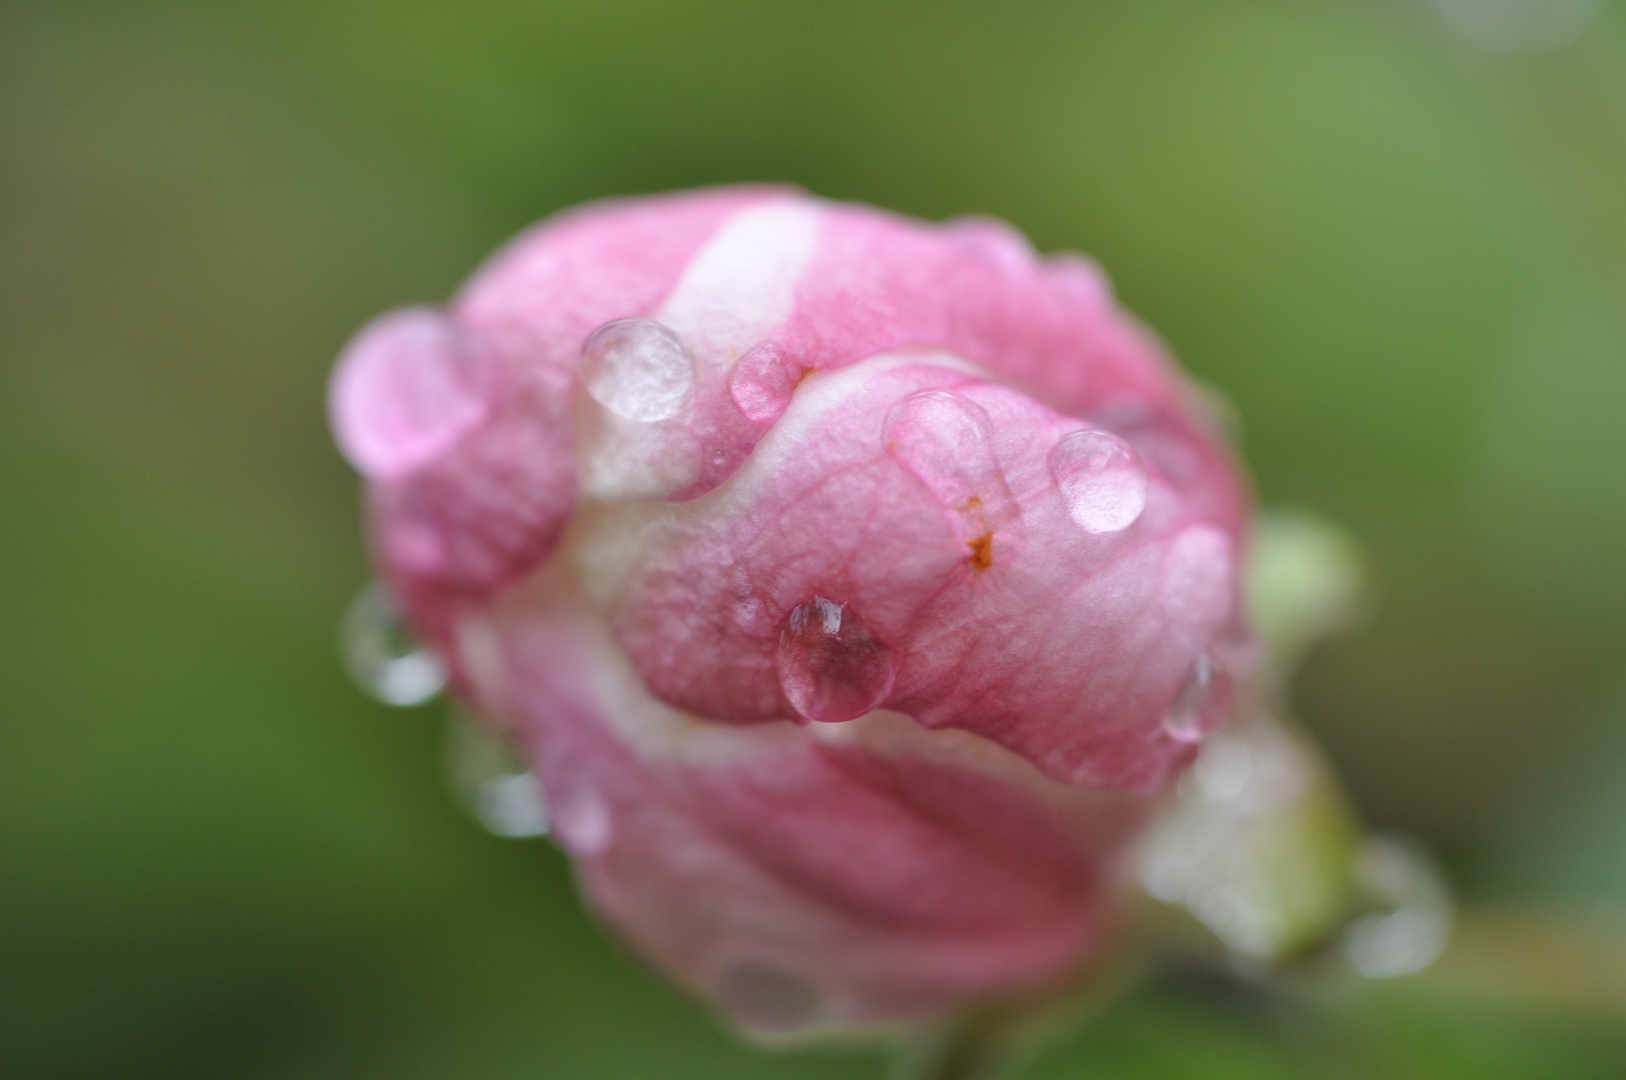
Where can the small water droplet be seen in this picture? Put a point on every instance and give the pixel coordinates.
(767, 998)
(637, 369)
(762, 382)
(1102, 479)
(829, 664)
(1203, 702)
(383, 656)
(945, 439)
(493, 780)
(581, 817)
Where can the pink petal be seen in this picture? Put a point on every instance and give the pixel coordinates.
(403, 394)
(880, 873)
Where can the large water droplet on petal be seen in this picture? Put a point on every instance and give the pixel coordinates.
(493, 781)
(766, 998)
(581, 817)
(946, 440)
(1203, 702)
(762, 382)
(829, 664)
(637, 369)
(383, 656)
(1102, 479)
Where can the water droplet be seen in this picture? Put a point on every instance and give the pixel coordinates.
(1102, 479)
(1412, 922)
(493, 781)
(946, 440)
(829, 664)
(637, 369)
(581, 817)
(383, 656)
(1203, 702)
(767, 998)
(762, 382)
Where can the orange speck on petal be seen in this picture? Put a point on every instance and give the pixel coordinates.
(982, 552)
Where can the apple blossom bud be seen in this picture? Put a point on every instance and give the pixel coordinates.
(853, 583)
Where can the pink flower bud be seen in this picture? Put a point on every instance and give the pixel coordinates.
(853, 582)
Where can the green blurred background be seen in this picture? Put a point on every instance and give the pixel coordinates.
(1392, 231)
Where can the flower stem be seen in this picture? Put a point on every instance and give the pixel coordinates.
(973, 1048)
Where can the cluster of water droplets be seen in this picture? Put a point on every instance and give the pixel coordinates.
(382, 654)
(637, 369)
(487, 774)
(830, 666)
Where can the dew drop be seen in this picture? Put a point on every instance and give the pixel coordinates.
(829, 664)
(493, 781)
(637, 369)
(1102, 479)
(581, 817)
(945, 440)
(767, 998)
(383, 656)
(762, 382)
(1203, 702)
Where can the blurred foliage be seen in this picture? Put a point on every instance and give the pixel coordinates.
(1400, 254)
